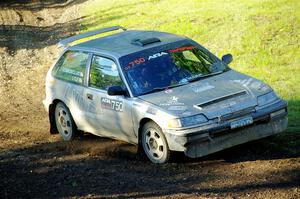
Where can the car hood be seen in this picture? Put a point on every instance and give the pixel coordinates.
(224, 94)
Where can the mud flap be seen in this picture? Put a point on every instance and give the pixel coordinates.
(53, 129)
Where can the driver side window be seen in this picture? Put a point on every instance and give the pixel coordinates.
(104, 73)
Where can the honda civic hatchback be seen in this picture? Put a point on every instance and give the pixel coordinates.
(158, 90)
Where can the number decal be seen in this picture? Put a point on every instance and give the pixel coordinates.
(134, 63)
(112, 104)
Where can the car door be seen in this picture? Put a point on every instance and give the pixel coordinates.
(107, 115)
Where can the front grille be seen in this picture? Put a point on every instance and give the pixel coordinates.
(237, 114)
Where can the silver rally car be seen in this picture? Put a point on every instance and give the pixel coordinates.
(161, 91)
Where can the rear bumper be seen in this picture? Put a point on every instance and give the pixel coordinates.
(201, 141)
(46, 105)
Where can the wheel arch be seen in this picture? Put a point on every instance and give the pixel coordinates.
(142, 122)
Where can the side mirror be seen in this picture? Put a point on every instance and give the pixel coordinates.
(227, 59)
(116, 90)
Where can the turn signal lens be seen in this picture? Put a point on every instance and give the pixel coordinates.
(174, 123)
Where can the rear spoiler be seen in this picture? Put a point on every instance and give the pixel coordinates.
(67, 41)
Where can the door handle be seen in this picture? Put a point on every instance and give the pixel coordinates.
(89, 96)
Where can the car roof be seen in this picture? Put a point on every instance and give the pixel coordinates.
(120, 44)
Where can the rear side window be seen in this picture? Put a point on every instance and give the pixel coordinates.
(104, 73)
(71, 67)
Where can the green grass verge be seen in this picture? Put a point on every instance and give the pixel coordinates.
(263, 36)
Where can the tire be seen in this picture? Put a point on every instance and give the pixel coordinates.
(64, 122)
(154, 143)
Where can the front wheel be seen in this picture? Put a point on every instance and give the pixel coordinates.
(64, 122)
(155, 144)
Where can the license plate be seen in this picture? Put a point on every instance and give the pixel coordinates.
(242, 122)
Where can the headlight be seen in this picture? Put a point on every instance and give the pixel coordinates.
(193, 120)
(266, 98)
(187, 121)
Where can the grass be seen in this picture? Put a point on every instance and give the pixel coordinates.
(263, 36)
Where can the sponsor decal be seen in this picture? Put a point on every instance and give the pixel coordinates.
(197, 88)
(92, 107)
(157, 55)
(251, 83)
(112, 104)
(67, 92)
(71, 95)
(151, 111)
(172, 101)
(186, 113)
(244, 82)
(177, 108)
(77, 96)
(70, 56)
(181, 49)
(141, 60)
(168, 91)
(72, 72)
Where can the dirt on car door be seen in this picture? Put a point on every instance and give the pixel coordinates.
(109, 115)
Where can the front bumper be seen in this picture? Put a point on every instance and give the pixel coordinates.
(204, 140)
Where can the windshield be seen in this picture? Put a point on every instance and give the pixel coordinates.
(168, 66)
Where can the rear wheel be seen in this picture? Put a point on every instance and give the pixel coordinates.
(154, 143)
(64, 122)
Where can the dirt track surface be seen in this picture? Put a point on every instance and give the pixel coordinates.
(35, 164)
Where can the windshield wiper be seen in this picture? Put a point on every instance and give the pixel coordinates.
(155, 90)
(204, 76)
(176, 85)
(163, 88)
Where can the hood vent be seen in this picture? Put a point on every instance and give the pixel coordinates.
(144, 42)
(226, 97)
